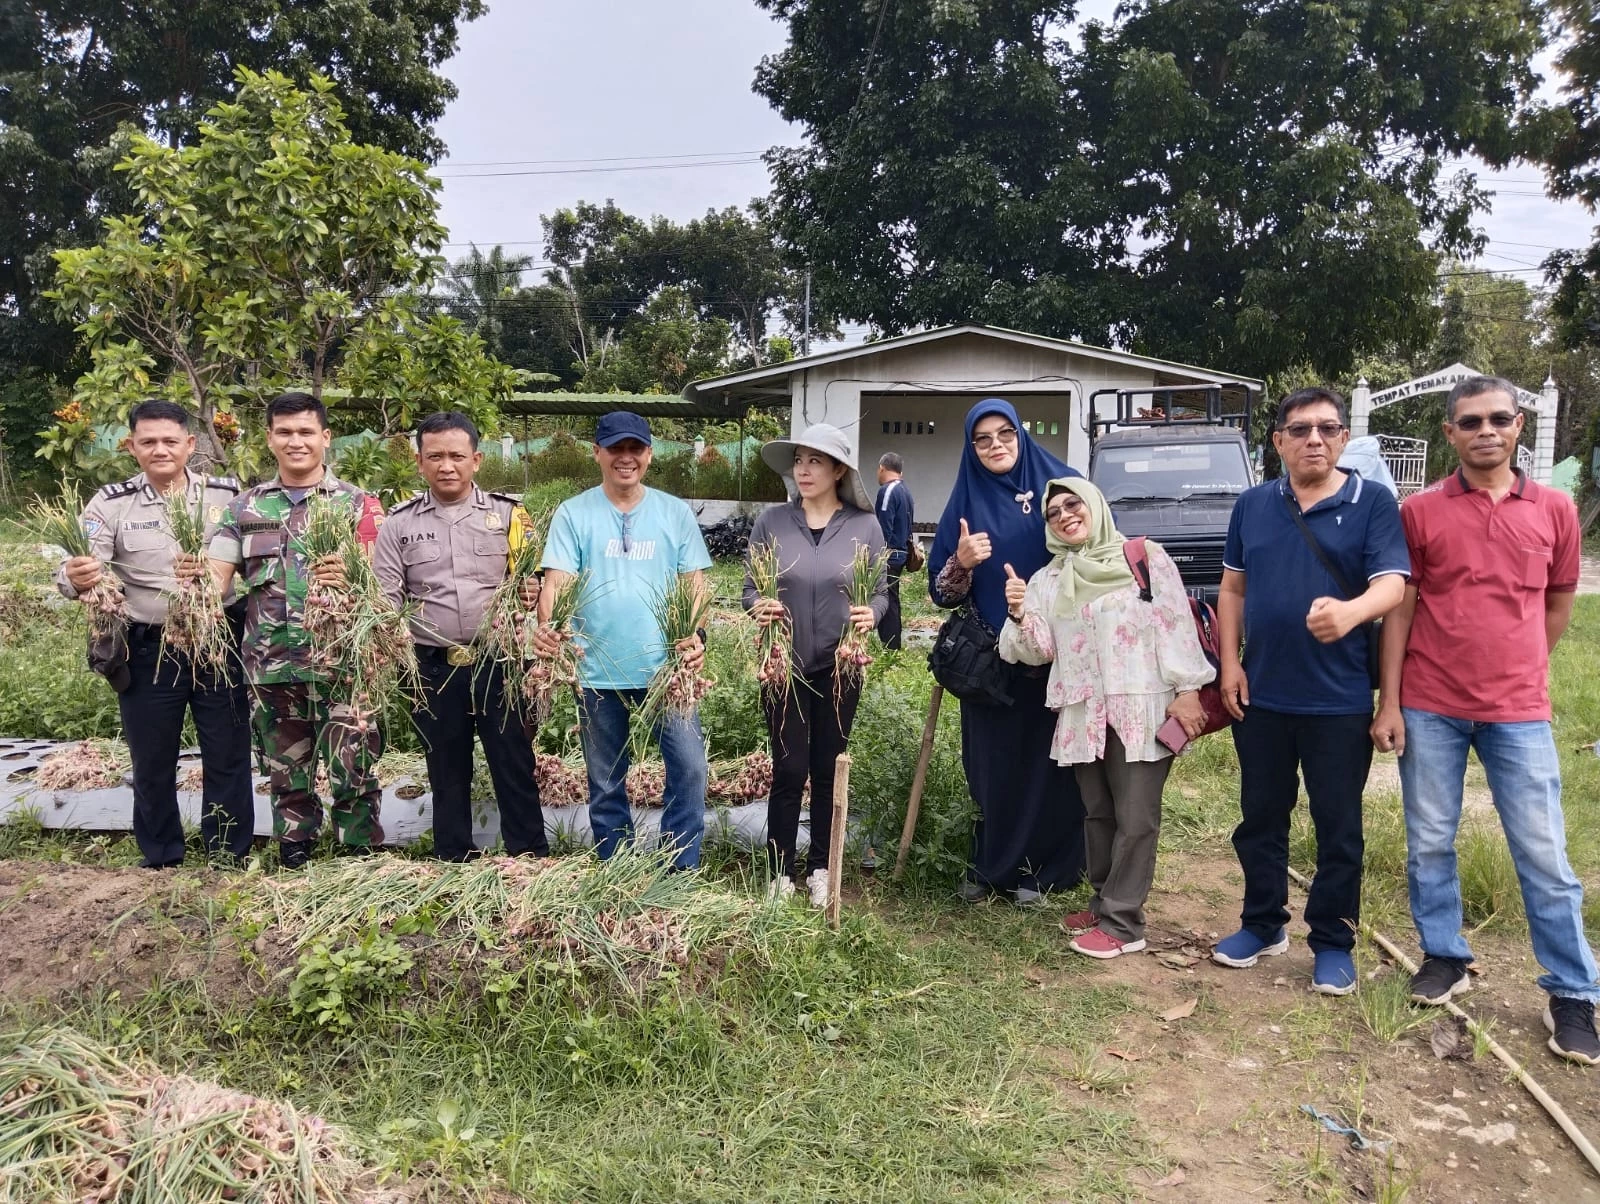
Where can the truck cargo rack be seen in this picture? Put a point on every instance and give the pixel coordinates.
(1176, 406)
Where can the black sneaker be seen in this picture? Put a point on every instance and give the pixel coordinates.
(1571, 1025)
(1440, 979)
(293, 854)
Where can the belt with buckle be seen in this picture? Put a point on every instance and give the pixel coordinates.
(461, 654)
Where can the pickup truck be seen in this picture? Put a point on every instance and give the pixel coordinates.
(1172, 461)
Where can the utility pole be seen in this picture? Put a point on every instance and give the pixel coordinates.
(805, 337)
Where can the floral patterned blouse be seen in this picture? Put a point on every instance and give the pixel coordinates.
(1118, 661)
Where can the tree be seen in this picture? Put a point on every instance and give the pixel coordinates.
(480, 288)
(1256, 183)
(272, 252)
(76, 79)
(667, 347)
(609, 267)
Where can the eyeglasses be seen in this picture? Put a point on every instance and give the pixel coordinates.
(1069, 505)
(1302, 430)
(627, 533)
(1471, 422)
(1006, 435)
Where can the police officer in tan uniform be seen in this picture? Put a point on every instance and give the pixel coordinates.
(448, 549)
(127, 528)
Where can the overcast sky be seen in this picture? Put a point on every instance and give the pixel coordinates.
(549, 88)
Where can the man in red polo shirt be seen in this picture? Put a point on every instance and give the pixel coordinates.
(1465, 664)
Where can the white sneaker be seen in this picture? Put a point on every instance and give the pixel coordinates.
(781, 887)
(818, 882)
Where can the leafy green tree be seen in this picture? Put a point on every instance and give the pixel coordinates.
(610, 267)
(1567, 139)
(480, 287)
(667, 347)
(273, 252)
(1256, 183)
(76, 79)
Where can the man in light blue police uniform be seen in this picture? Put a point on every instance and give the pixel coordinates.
(631, 543)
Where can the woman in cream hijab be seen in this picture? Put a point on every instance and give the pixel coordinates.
(1119, 667)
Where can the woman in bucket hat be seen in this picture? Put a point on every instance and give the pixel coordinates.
(814, 537)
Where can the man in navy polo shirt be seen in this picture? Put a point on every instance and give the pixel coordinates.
(1311, 560)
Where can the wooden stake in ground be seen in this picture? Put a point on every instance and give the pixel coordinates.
(1556, 1112)
(841, 815)
(914, 805)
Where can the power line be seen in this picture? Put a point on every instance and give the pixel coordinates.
(583, 171)
(595, 159)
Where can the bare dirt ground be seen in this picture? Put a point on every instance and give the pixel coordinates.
(1222, 1089)
(1219, 1090)
(66, 929)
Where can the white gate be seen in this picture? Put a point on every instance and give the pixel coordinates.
(1407, 460)
(1525, 458)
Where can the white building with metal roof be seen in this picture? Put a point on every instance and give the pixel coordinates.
(910, 394)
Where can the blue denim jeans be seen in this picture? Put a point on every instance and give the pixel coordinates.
(1524, 775)
(603, 725)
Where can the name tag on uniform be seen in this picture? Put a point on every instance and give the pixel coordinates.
(492, 521)
(148, 525)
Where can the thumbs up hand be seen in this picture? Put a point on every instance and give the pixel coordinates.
(1016, 591)
(973, 548)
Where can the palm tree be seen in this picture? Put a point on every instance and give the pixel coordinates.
(478, 288)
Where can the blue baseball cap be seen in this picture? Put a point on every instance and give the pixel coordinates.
(618, 425)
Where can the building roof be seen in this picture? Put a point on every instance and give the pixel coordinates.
(648, 405)
(769, 385)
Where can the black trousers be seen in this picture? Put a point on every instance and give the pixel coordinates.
(456, 701)
(1333, 753)
(1029, 830)
(808, 730)
(161, 690)
(889, 625)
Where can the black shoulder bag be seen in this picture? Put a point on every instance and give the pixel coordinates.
(966, 659)
(1374, 628)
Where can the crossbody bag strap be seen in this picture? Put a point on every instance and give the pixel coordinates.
(1133, 551)
(1339, 578)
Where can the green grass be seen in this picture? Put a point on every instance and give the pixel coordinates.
(868, 1065)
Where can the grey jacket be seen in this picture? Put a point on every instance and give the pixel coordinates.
(812, 578)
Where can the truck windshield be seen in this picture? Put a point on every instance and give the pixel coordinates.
(1170, 470)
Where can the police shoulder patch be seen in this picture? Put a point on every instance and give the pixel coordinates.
(230, 484)
(120, 488)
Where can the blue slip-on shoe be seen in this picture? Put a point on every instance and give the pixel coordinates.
(1333, 972)
(1243, 948)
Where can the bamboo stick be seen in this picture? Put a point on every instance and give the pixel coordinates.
(841, 815)
(1556, 1111)
(914, 804)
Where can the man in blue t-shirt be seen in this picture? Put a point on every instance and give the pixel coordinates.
(1311, 560)
(631, 543)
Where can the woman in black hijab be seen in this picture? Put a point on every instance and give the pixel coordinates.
(1029, 835)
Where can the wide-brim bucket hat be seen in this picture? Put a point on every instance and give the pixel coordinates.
(830, 441)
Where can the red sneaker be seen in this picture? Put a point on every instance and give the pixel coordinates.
(1078, 921)
(1095, 943)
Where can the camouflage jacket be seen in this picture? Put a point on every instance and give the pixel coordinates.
(258, 536)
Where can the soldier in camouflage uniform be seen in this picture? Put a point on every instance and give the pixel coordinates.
(297, 725)
(128, 530)
(449, 548)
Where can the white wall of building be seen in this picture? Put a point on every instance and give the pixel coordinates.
(923, 393)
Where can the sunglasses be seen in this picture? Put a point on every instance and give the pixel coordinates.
(1056, 512)
(1006, 435)
(1471, 422)
(1302, 430)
